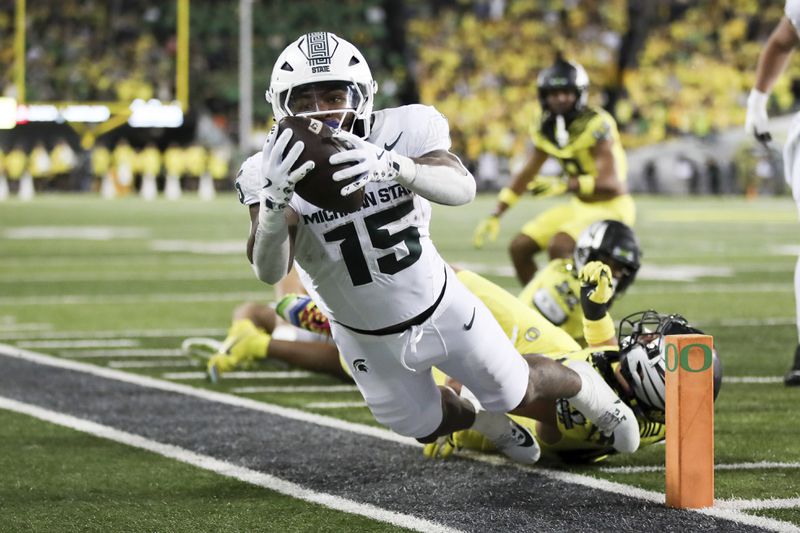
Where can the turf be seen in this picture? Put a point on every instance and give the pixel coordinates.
(179, 266)
(58, 479)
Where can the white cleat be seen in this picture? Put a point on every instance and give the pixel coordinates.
(600, 404)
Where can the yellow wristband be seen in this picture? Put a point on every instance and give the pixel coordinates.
(585, 185)
(598, 331)
(508, 197)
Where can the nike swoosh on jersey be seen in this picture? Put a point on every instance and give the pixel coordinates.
(392, 145)
(269, 183)
(468, 326)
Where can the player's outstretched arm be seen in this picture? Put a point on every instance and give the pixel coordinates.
(271, 219)
(596, 293)
(771, 64)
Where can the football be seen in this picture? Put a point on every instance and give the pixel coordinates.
(318, 187)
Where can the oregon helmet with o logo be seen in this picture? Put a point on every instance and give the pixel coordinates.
(642, 361)
(562, 75)
(614, 244)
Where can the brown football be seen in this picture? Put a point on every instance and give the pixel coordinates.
(318, 187)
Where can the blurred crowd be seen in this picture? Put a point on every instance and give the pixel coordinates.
(115, 170)
(682, 68)
(690, 72)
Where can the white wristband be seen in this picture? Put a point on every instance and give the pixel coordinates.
(757, 99)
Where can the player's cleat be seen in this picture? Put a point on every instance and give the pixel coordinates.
(301, 311)
(510, 438)
(244, 345)
(598, 402)
(792, 378)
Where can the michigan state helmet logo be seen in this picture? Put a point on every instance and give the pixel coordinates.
(360, 365)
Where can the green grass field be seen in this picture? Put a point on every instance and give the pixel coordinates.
(76, 268)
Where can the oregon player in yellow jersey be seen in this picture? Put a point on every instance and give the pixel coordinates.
(634, 368)
(585, 141)
(555, 290)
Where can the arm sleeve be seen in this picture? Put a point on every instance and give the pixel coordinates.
(440, 183)
(792, 11)
(271, 249)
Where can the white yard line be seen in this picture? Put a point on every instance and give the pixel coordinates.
(709, 288)
(72, 277)
(299, 388)
(761, 465)
(753, 322)
(753, 379)
(226, 469)
(12, 327)
(81, 343)
(153, 364)
(278, 374)
(769, 503)
(139, 352)
(334, 405)
(113, 334)
(326, 421)
(106, 299)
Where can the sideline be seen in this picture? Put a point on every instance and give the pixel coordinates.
(304, 416)
(226, 469)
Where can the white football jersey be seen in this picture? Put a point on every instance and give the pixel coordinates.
(792, 11)
(376, 267)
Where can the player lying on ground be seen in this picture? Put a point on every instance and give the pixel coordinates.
(634, 368)
(555, 290)
(249, 341)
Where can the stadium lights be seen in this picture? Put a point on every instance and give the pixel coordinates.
(143, 114)
(64, 113)
(154, 114)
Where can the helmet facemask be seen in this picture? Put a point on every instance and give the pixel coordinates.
(336, 103)
(642, 362)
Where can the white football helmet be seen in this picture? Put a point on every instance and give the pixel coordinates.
(642, 361)
(322, 58)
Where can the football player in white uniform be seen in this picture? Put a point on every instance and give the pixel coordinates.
(771, 64)
(395, 307)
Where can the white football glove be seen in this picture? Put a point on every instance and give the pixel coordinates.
(757, 119)
(372, 163)
(278, 180)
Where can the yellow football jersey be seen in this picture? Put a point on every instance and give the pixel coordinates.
(528, 330)
(581, 440)
(555, 292)
(592, 125)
